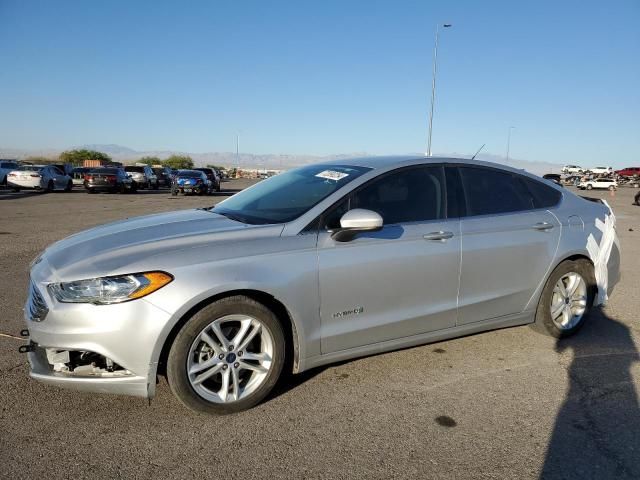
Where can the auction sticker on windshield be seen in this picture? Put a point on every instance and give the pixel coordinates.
(332, 175)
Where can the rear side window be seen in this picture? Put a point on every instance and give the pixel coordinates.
(543, 195)
(490, 192)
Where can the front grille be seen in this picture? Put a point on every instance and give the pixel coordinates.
(37, 306)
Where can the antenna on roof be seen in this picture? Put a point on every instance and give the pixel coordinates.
(474, 156)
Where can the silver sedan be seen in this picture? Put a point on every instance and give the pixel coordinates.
(318, 264)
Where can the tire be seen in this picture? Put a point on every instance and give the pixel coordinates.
(156, 186)
(90, 190)
(207, 397)
(589, 187)
(174, 193)
(15, 189)
(612, 188)
(544, 323)
(49, 186)
(69, 186)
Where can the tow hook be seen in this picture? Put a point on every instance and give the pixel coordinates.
(27, 348)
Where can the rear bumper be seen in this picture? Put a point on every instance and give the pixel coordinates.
(35, 185)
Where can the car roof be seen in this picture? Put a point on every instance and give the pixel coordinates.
(385, 162)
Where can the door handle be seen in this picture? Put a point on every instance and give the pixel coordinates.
(438, 235)
(543, 226)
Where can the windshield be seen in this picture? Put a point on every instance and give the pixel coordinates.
(285, 197)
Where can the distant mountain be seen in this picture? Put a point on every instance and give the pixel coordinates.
(248, 160)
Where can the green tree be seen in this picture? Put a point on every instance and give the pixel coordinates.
(178, 161)
(77, 157)
(150, 161)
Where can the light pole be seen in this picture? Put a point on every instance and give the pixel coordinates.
(509, 142)
(433, 83)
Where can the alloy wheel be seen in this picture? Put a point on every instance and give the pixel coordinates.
(568, 301)
(230, 358)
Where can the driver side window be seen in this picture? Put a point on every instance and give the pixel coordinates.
(414, 194)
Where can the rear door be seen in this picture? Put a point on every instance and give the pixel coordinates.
(508, 243)
(397, 282)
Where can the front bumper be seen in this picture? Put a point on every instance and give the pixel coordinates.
(126, 333)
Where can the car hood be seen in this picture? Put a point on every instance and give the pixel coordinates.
(118, 247)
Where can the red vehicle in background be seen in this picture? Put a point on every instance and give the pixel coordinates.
(629, 172)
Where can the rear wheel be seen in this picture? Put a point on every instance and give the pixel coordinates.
(566, 299)
(69, 186)
(157, 185)
(589, 186)
(227, 357)
(50, 186)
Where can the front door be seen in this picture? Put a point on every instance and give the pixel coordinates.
(400, 281)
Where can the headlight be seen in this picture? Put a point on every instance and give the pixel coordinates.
(107, 290)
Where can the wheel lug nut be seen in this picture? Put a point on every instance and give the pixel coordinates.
(221, 356)
(240, 353)
(225, 366)
(236, 365)
(230, 347)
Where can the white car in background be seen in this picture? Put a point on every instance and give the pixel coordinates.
(601, 170)
(572, 169)
(600, 183)
(39, 177)
(6, 166)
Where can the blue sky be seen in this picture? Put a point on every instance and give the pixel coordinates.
(323, 77)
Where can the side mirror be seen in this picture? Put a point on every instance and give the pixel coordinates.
(356, 221)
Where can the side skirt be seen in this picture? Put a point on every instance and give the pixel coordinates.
(523, 318)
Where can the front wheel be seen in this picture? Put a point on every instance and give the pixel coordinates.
(589, 187)
(566, 299)
(612, 188)
(69, 186)
(50, 186)
(227, 357)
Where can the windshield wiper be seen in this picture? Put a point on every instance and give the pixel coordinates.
(231, 216)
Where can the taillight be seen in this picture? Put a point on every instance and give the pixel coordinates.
(88, 178)
(111, 178)
(12, 175)
(35, 175)
(198, 182)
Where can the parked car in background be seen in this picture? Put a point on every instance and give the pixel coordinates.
(164, 176)
(108, 180)
(629, 172)
(304, 265)
(46, 178)
(143, 176)
(6, 166)
(191, 181)
(598, 183)
(77, 175)
(601, 170)
(572, 169)
(65, 168)
(554, 177)
(212, 175)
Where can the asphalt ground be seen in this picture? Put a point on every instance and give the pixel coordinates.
(505, 404)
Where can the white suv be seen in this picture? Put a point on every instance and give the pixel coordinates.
(601, 170)
(572, 169)
(602, 183)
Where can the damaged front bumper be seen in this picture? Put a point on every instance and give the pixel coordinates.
(88, 377)
(98, 348)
